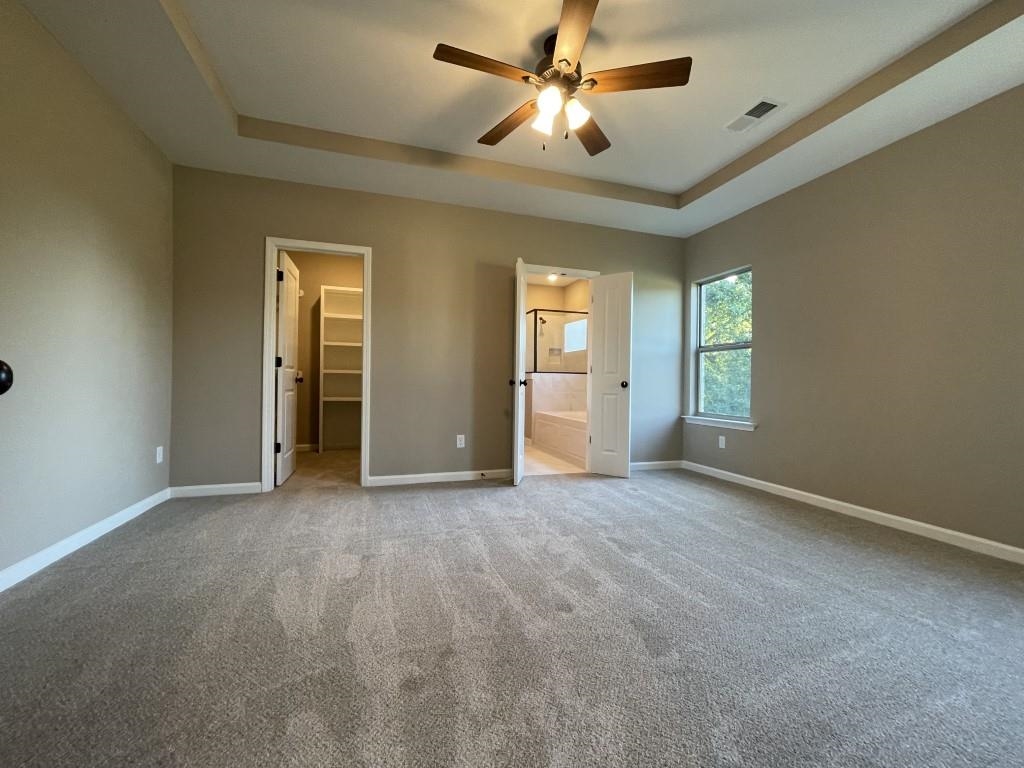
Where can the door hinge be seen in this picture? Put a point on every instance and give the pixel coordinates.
(280, 275)
(590, 439)
(277, 447)
(278, 362)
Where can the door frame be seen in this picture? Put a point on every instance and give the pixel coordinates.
(269, 400)
(582, 274)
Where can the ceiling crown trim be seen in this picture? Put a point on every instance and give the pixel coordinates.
(346, 144)
(183, 27)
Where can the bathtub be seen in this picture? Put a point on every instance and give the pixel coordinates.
(562, 434)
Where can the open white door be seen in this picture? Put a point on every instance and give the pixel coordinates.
(288, 355)
(611, 323)
(519, 383)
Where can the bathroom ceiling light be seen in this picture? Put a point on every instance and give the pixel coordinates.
(552, 277)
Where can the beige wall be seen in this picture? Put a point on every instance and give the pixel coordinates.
(85, 297)
(342, 420)
(888, 307)
(442, 321)
(544, 297)
(577, 296)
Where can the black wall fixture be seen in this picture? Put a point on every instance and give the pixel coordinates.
(6, 377)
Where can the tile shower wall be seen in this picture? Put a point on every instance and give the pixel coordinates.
(549, 337)
(558, 392)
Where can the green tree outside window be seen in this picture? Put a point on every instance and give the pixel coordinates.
(725, 344)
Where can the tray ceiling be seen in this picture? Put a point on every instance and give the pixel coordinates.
(365, 70)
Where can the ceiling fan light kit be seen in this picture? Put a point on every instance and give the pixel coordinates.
(545, 123)
(559, 75)
(575, 113)
(550, 100)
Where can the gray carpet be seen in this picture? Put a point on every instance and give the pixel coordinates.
(668, 620)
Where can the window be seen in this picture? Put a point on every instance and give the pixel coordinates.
(724, 343)
(576, 335)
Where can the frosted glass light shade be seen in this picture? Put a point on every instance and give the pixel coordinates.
(576, 114)
(549, 102)
(545, 123)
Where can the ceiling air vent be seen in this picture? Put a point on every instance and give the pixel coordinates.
(752, 116)
(760, 110)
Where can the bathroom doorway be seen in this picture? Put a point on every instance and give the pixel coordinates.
(573, 340)
(557, 311)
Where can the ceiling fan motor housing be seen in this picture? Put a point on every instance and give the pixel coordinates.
(549, 74)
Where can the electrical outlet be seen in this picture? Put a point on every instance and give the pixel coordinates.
(721, 441)
(159, 454)
(460, 441)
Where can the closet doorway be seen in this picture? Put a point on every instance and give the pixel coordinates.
(316, 362)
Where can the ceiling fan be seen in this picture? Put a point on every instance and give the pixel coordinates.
(559, 76)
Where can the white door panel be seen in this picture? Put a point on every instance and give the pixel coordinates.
(287, 373)
(519, 370)
(611, 343)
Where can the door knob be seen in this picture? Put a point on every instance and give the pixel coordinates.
(6, 377)
(299, 379)
(522, 383)
(624, 384)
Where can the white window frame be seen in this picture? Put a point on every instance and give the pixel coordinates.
(695, 416)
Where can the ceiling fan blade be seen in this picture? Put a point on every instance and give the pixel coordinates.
(509, 124)
(657, 74)
(461, 58)
(592, 137)
(573, 28)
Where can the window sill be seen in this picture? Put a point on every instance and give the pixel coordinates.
(710, 421)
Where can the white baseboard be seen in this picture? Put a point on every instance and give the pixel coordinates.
(645, 465)
(306, 448)
(225, 489)
(956, 538)
(35, 563)
(439, 477)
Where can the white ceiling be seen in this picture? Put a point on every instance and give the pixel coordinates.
(559, 282)
(366, 69)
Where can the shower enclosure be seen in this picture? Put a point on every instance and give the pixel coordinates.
(556, 341)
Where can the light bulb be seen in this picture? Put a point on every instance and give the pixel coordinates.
(576, 114)
(550, 100)
(552, 277)
(545, 123)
